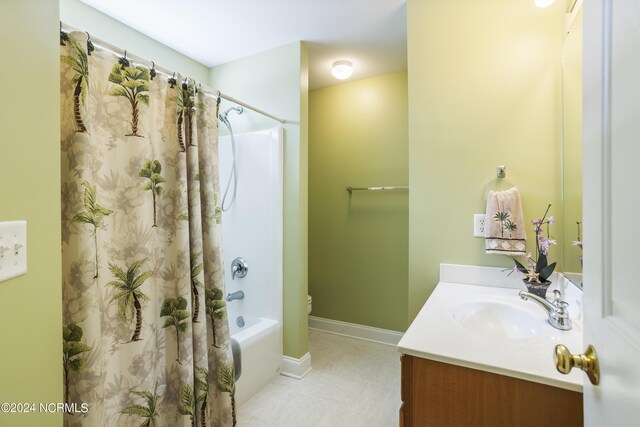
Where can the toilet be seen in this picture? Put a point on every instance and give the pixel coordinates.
(309, 300)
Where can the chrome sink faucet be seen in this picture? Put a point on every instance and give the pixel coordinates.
(557, 310)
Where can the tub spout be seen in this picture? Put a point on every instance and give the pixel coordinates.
(235, 295)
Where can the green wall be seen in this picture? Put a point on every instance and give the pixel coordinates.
(31, 305)
(85, 18)
(484, 90)
(358, 244)
(277, 81)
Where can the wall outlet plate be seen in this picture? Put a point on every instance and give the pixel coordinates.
(479, 225)
(13, 249)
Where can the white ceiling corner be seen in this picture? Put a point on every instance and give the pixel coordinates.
(369, 33)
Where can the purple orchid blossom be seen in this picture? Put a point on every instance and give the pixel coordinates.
(545, 244)
(538, 269)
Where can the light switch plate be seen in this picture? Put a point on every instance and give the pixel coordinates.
(13, 249)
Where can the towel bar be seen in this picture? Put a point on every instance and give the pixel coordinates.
(351, 189)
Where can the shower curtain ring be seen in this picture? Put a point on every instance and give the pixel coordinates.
(172, 80)
(64, 36)
(124, 62)
(152, 71)
(90, 46)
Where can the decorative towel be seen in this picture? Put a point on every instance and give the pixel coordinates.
(504, 223)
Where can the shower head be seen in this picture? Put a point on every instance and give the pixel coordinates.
(223, 115)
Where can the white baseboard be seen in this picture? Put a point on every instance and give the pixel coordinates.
(296, 368)
(367, 333)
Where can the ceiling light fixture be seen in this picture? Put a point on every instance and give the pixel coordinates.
(342, 70)
(544, 3)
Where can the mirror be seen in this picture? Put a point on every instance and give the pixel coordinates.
(572, 145)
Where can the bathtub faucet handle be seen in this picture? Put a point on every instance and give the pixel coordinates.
(239, 268)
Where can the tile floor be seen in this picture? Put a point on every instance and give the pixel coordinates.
(353, 383)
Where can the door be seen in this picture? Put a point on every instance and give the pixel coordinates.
(611, 129)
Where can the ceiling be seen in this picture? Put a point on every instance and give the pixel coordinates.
(369, 33)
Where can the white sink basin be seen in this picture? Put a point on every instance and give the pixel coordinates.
(498, 320)
(490, 328)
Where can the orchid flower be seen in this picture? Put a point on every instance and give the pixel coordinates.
(538, 269)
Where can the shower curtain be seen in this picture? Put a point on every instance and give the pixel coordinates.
(145, 336)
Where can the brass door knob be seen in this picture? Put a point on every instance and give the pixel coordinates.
(588, 362)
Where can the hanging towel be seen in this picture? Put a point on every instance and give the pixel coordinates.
(504, 224)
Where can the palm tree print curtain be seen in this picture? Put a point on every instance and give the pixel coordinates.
(146, 342)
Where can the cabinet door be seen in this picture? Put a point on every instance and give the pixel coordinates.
(444, 395)
(405, 391)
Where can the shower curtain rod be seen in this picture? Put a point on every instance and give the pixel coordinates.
(99, 43)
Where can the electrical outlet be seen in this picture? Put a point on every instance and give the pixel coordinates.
(478, 225)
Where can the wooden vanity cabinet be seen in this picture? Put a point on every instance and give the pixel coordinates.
(443, 395)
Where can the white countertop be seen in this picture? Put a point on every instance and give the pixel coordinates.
(436, 335)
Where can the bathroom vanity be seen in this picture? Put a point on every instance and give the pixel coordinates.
(478, 355)
(443, 394)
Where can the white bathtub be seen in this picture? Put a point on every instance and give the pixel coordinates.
(261, 350)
